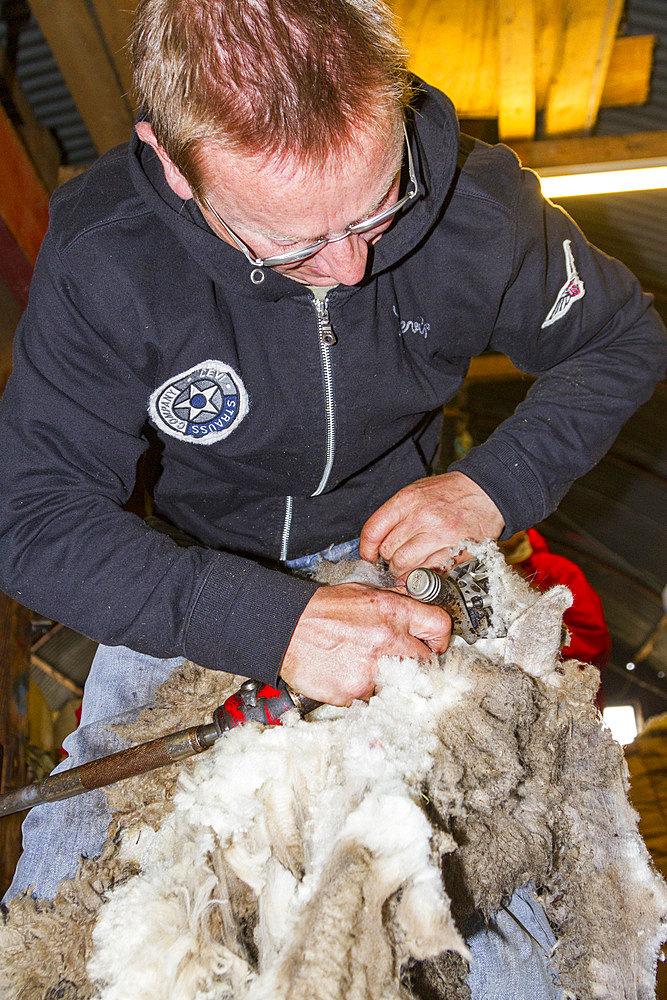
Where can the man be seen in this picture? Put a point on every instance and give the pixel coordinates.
(278, 285)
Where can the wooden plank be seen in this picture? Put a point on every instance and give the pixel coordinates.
(453, 45)
(596, 149)
(24, 200)
(629, 74)
(492, 368)
(516, 69)
(84, 60)
(463, 47)
(16, 273)
(576, 87)
(70, 170)
(549, 35)
(10, 313)
(39, 142)
(115, 20)
(48, 635)
(14, 667)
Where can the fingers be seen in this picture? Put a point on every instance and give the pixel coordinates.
(379, 525)
(422, 523)
(420, 515)
(411, 544)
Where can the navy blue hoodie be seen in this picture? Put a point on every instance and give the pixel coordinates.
(274, 441)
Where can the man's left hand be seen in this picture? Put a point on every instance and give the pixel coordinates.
(423, 522)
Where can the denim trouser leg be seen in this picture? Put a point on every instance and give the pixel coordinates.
(510, 957)
(121, 683)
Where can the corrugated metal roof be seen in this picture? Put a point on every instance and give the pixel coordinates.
(42, 82)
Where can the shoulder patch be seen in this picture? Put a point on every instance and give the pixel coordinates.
(202, 405)
(572, 290)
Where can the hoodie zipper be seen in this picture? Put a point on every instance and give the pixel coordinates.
(327, 339)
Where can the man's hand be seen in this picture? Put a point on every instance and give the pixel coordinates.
(421, 523)
(346, 628)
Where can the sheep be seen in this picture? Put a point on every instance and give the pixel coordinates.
(342, 855)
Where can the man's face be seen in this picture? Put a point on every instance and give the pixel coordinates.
(276, 205)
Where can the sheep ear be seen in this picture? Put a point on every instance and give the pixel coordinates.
(534, 638)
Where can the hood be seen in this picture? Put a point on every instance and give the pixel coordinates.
(434, 137)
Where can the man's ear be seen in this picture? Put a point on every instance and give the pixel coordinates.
(173, 175)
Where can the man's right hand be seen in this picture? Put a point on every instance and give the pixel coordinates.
(345, 629)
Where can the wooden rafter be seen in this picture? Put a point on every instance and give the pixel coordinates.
(37, 139)
(115, 20)
(56, 675)
(14, 662)
(24, 211)
(510, 58)
(594, 149)
(628, 76)
(516, 68)
(574, 95)
(82, 53)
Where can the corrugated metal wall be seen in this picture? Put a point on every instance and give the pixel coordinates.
(42, 81)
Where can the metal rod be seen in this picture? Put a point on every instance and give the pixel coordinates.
(115, 767)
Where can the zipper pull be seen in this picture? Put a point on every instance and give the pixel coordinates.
(327, 336)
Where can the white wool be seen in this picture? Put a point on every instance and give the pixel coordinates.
(358, 773)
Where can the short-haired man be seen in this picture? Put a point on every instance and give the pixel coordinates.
(277, 285)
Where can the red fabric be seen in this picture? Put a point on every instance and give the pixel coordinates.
(589, 636)
(77, 713)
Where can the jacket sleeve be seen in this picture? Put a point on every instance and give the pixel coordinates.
(578, 320)
(71, 422)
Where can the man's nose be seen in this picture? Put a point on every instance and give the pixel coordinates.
(344, 260)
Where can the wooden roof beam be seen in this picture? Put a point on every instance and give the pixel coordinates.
(115, 20)
(516, 69)
(574, 95)
(80, 49)
(602, 149)
(24, 211)
(629, 74)
(39, 142)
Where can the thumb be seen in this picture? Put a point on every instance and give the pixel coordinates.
(431, 624)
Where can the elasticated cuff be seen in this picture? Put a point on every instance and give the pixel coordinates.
(512, 485)
(244, 617)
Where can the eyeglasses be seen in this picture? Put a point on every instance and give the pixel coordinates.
(292, 256)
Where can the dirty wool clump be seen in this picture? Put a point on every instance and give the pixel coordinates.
(342, 856)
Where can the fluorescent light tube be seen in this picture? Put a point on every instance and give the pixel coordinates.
(589, 181)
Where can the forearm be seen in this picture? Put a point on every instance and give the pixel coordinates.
(94, 567)
(568, 421)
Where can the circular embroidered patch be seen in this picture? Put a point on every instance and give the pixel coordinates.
(202, 405)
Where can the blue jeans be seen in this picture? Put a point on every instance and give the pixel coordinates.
(510, 955)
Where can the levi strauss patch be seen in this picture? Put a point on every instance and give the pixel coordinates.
(572, 290)
(202, 405)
